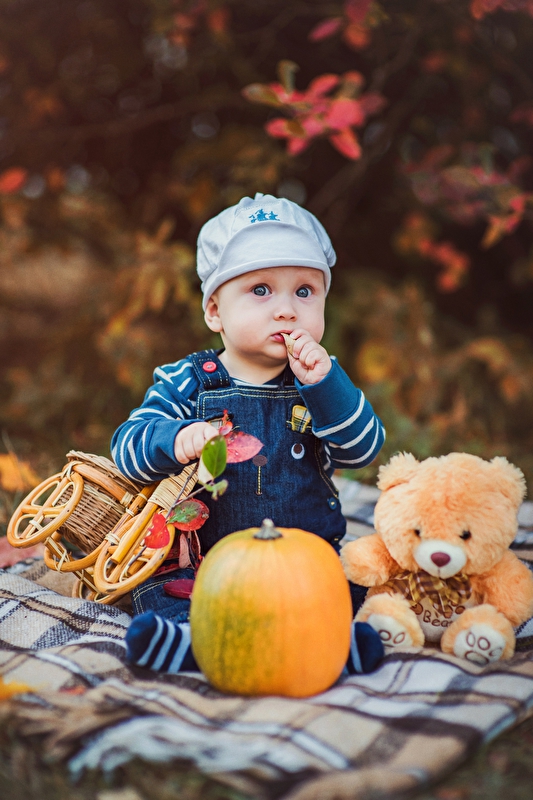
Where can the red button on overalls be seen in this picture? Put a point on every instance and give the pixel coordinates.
(209, 366)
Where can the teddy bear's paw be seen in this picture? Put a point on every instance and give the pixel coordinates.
(391, 631)
(480, 644)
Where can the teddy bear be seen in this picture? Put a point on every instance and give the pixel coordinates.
(438, 566)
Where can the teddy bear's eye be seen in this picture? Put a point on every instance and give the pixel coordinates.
(416, 532)
(465, 535)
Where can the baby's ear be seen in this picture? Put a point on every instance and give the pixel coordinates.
(400, 469)
(511, 481)
(212, 315)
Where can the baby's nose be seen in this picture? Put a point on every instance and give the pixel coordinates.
(285, 311)
(440, 559)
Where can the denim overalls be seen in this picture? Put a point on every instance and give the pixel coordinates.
(285, 482)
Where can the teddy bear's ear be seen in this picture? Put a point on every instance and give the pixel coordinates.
(400, 469)
(511, 481)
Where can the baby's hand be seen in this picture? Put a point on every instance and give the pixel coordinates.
(189, 442)
(308, 360)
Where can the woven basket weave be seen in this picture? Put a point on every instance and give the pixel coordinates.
(98, 511)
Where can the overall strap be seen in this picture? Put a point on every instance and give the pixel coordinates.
(209, 370)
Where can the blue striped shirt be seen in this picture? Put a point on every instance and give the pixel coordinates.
(342, 419)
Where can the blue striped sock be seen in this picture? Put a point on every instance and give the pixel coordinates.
(366, 649)
(159, 644)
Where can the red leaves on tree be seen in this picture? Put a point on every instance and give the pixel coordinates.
(322, 85)
(346, 143)
(158, 535)
(12, 180)
(468, 190)
(343, 113)
(524, 113)
(417, 238)
(355, 24)
(326, 28)
(357, 10)
(218, 20)
(314, 113)
(480, 8)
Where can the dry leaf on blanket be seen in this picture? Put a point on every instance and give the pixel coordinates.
(11, 688)
(12, 555)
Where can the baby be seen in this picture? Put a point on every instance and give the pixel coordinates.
(265, 266)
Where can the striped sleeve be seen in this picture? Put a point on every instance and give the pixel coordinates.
(344, 420)
(143, 446)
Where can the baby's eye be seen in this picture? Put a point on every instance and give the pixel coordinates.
(261, 290)
(303, 291)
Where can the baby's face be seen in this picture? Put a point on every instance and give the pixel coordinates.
(253, 310)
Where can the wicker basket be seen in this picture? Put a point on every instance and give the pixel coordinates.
(91, 509)
(106, 496)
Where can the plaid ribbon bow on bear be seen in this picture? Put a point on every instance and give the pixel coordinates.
(414, 586)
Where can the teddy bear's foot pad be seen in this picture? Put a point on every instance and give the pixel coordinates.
(392, 632)
(480, 644)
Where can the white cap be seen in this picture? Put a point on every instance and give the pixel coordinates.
(264, 232)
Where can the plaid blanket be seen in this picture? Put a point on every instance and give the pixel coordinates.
(411, 721)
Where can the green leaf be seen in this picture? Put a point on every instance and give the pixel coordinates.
(286, 72)
(261, 93)
(216, 489)
(213, 458)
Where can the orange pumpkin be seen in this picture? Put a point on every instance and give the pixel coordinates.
(271, 613)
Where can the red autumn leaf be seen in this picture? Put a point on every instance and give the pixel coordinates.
(322, 85)
(12, 180)
(479, 8)
(435, 61)
(181, 587)
(296, 146)
(448, 281)
(346, 142)
(74, 690)
(343, 113)
(313, 126)
(356, 36)
(218, 20)
(524, 113)
(158, 535)
(372, 103)
(356, 10)
(242, 446)
(325, 29)
(278, 127)
(10, 555)
(226, 424)
(189, 515)
(518, 203)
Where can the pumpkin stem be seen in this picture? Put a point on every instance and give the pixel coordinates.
(268, 531)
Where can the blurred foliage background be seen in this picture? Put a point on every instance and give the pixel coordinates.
(405, 126)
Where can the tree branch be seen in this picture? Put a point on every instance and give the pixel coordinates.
(126, 125)
(355, 171)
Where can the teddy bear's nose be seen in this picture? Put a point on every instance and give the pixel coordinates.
(440, 559)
